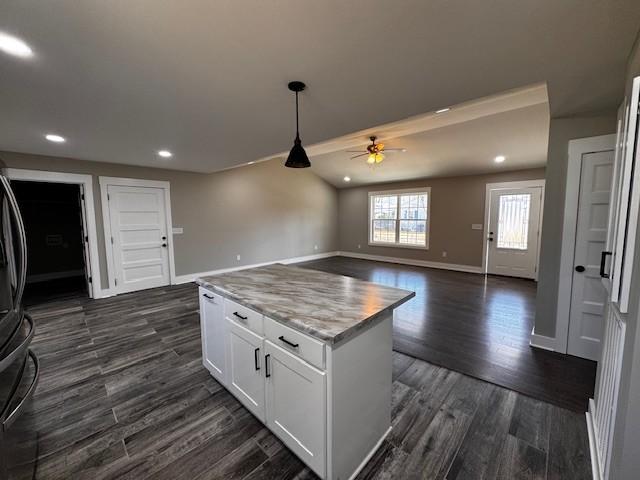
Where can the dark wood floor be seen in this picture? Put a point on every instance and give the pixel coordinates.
(475, 324)
(123, 395)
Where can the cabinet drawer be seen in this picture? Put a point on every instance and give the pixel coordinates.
(295, 342)
(244, 316)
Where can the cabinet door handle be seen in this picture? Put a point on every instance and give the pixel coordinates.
(603, 262)
(207, 296)
(241, 317)
(267, 371)
(256, 354)
(291, 344)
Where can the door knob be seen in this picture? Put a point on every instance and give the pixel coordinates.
(164, 245)
(580, 268)
(164, 237)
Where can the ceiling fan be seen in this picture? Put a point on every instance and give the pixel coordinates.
(375, 152)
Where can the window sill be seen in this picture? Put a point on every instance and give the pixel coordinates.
(398, 245)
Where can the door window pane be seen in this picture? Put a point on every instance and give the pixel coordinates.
(513, 221)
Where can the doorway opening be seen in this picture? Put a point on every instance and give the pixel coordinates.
(57, 245)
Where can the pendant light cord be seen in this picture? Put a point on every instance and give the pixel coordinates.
(297, 128)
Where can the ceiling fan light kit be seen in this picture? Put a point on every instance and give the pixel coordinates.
(375, 152)
(297, 156)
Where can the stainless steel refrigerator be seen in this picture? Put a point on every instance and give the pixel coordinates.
(19, 367)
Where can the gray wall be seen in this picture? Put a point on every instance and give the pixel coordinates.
(626, 441)
(561, 130)
(263, 212)
(456, 203)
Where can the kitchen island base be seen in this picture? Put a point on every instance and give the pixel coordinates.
(329, 403)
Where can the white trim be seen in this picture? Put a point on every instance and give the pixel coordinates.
(417, 263)
(487, 207)
(390, 193)
(87, 182)
(577, 148)
(540, 341)
(134, 182)
(593, 446)
(190, 277)
(366, 459)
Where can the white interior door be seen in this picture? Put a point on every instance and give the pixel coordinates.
(85, 242)
(588, 295)
(514, 231)
(138, 237)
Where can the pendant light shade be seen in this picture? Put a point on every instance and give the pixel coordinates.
(297, 156)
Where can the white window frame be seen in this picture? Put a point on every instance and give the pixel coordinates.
(399, 193)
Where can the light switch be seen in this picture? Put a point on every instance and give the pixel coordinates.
(177, 230)
(476, 226)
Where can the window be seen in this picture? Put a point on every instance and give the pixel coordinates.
(399, 218)
(513, 221)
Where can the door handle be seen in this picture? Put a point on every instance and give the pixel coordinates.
(291, 344)
(256, 354)
(267, 372)
(603, 262)
(164, 238)
(580, 269)
(164, 245)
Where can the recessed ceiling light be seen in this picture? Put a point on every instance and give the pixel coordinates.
(442, 110)
(165, 153)
(14, 46)
(55, 138)
(347, 179)
(499, 159)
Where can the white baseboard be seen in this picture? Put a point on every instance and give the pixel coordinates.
(179, 279)
(416, 263)
(593, 448)
(540, 341)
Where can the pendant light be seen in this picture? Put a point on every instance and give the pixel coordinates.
(297, 156)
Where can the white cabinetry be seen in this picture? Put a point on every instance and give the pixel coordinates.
(329, 404)
(296, 405)
(213, 333)
(246, 381)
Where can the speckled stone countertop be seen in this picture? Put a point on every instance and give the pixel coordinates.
(328, 307)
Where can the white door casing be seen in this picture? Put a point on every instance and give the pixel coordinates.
(294, 389)
(88, 214)
(514, 231)
(246, 379)
(139, 237)
(588, 295)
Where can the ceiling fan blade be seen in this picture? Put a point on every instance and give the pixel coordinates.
(395, 149)
(355, 151)
(361, 155)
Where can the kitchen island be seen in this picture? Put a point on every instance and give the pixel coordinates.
(309, 353)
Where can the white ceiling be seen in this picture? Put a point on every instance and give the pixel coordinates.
(463, 141)
(206, 79)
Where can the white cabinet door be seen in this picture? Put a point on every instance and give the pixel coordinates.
(213, 330)
(246, 381)
(296, 405)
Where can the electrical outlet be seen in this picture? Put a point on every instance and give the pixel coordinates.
(444, 253)
(359, 246)
(238, 257)
(315, 247)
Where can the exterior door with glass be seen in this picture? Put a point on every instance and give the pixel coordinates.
(514, 231)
